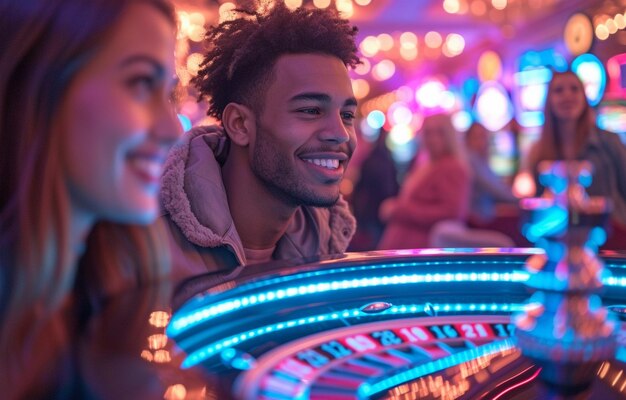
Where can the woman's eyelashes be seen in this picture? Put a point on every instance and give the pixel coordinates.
(142, 86)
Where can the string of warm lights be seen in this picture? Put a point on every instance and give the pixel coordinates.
(407, 45)
(379, 52)
(345, 7)
(605, 25)
(193, 25)
(607, 21)
(493, 9)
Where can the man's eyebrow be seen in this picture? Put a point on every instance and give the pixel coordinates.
(350, 102)
(321, 97)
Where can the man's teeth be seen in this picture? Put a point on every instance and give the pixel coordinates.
(326, 163)
(149, 167)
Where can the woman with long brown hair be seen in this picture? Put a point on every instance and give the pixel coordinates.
(570, 133)
(85, 124)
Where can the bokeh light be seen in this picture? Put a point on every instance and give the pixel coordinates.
(401, 134)
(408, 39)
(399, 114)
(193, 63)
(611, 25)
(461, 120)
(293, 4)
(159, 319)
(429, 94)
(360, 87)
(383, 70)
(408, 53)
(493, 106)
(405, 94)
(433, 39)
(499, 4)
(478, 8)
(345, 8)
(602, 32)
(364, 67)
(226, 11)
(591, 71)
(524, 185)
(370, 46)
(489, 66)
(385, 41)
(451, 6)
(157, 341)
(376, 119)
(455, 44)
(447, 100)
(321, 3)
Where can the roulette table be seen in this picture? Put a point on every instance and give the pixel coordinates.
(542, 322)
(430, 323)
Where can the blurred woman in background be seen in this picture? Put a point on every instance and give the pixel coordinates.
(86, 121)
(433, 191)
(570, 133)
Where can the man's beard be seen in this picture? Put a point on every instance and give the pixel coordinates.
(276, 170)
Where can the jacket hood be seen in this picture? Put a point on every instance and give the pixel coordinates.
(194, 158)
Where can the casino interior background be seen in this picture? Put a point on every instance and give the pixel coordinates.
(484, 60)
(485, 323)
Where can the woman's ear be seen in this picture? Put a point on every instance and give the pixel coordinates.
(239, 123)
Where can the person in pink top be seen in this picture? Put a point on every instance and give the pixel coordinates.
(434, 191)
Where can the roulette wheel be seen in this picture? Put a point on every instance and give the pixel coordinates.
(394, 325)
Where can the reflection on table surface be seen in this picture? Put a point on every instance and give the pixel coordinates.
(122, 350)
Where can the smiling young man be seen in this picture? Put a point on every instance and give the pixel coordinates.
(265, 184)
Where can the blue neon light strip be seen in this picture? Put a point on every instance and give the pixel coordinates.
(614, 281)
(379, 267)
(206, 352)
(185, 321)
(366, 390)
(589, 58)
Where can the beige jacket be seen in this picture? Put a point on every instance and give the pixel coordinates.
(202, 234)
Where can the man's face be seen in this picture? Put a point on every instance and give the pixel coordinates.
(305, 134)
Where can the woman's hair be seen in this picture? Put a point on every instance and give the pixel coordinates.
(242, 52)
(450, 134)
(474, 129)
(550, 143)
(43, 45)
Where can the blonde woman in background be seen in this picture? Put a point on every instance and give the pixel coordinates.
(434, 191)
(85, 125)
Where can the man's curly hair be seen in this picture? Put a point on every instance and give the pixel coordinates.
(242, 52)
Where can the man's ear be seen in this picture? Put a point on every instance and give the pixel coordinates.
(239, 122)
